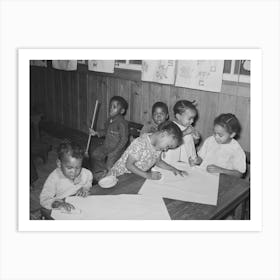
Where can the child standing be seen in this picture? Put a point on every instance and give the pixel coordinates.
(221, 153)
(145, 152)
(159, 115)
(116, 136)
(69, 178)
(185, 112)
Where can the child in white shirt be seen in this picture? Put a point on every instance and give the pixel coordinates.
(69, 178)
(185, 113)
(221, 153)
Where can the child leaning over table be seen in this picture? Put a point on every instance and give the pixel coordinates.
(69, 178)
(221, 153)
(159, 115)
(116, 137)
(145, 152)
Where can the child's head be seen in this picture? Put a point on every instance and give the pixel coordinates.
(159, 112)
(70, 157)
(169, 136)
(226, 127)
(185, 112)
(118, 106)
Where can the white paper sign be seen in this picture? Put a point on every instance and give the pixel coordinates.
(106, 66)
(199, 186)
(68, 65)
(200, 74)
(160, 71)
(115, 207)
(41, 63)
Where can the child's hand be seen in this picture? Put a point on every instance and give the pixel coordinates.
(188, 130)
(212, 168)
(154, 175)
(179, 172)
(83, 192)
(63, 205)
(92, 132)
(196, 161)
(195, 135)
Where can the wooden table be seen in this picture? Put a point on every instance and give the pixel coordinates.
(232, 192)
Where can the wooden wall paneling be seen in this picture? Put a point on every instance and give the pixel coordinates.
(146, 112)
(243, 114)
(104, 98)
(226, 103)
(83, 101)
(136, 102)
(32, 87)
(165, 97)
(57, 97)
(111, 91)
(102, 115)
(91, 98)
(66, 99)
(50, 95)
(74, 90)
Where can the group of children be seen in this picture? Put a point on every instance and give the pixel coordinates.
(162, 143)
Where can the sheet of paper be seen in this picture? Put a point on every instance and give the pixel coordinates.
(106, 66)
(67, 65)
(199, 186)
(200, 74)
(115, 207)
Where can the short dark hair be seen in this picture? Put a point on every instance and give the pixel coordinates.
(69, 148)
(161, 105)
(182, 105)
(121, 101)
(229, 122)
(172, 129)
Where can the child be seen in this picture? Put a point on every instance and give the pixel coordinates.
(159, 115)
(221, 153)
(69, 178)
(185, 112)
(145, 152)
(116, 137)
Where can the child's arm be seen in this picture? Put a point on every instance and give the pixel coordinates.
(130, 165)
(84, 190)
(196, 161)
(216, 169)
(162, 164)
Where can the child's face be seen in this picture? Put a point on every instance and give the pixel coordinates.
(221, 135)
(165, 142)
(187, 117)
(115, 109)
(71, 167)
(159, 116)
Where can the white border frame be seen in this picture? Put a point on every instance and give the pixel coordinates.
(24, 222)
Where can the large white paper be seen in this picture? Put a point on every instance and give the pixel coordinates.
(199, 186)
(115, 207)
(160, 71)
(200, 74)
(68, 65)
(106, 66)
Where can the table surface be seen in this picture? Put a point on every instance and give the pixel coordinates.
(232, 191)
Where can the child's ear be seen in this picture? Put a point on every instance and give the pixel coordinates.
(58, 163)
(167, 116)
(122, 111)
(232, 135)
(177, 116)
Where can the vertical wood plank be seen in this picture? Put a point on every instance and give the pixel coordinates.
(83, 101)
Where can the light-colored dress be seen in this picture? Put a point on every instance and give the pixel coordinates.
(183, 152)
(140, 149)
(230, 156)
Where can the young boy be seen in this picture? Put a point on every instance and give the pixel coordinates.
(116, 137)
(159, 115)
(69, 178)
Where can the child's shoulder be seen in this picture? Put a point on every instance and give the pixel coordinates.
(86, 171)
(236, 146)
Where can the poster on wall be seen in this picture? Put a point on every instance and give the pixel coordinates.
(68, 65)
(200, 74)
(159, 71)
(41, 63)
(106, 66)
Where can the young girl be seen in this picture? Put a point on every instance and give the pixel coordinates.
(185, 112)
(221, 153)
(145, 152)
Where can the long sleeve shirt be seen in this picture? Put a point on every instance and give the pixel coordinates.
(57, 186)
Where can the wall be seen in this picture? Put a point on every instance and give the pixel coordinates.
(68, 98)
